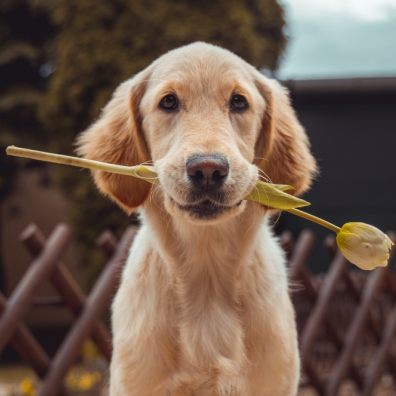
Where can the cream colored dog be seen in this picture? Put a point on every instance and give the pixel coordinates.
(203, 306)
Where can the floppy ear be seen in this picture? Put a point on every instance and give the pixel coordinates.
(282, 149)
(117, 138)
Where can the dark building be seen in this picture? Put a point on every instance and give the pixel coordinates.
(352, 127)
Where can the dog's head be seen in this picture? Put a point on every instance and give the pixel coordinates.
(210, 123)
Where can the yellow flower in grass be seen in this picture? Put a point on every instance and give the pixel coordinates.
(27, 387)
(364, 245)
(81, 380)
(86, 382)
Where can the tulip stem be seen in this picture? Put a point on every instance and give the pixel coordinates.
(135, 171)
(66, 160)
(315, 219)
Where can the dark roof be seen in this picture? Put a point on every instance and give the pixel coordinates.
(342, 85)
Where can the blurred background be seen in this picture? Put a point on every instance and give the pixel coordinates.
(61, 60)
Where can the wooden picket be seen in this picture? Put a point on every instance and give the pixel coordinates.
(47, 266)
(342, 335)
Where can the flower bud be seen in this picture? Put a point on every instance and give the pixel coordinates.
(364, 245)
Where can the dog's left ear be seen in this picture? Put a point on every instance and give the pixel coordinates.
(117, 138)
(282, 149)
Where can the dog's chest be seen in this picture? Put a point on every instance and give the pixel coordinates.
(208, 310)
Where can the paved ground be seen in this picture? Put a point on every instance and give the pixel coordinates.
(88, 380)
(386, 387)
(80, 381)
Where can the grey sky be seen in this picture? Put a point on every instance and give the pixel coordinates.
(331, 38)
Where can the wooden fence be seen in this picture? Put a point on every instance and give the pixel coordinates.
(346, 318)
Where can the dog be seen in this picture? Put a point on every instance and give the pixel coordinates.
(203, 305)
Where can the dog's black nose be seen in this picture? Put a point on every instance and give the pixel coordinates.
(207, 170)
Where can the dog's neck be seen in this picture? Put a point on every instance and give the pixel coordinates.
(212, 254)
(206, 266)
(178, 237)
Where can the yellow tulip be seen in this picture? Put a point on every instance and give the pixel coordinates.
(271, 195)
(364, 245)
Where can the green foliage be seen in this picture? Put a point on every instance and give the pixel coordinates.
(25, 33)
(101, 43)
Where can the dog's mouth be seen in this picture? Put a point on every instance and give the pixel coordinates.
(207, 209)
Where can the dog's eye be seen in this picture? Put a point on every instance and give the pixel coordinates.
(238, 103)
(169, 103)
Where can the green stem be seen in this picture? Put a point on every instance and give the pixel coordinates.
(140, 171)
(315, 219)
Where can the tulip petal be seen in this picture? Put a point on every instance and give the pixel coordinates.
(364, 245)
(274, 197)
(283, 187)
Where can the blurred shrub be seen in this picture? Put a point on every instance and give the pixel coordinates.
(26, 35)
(26, 32)
(101, 43)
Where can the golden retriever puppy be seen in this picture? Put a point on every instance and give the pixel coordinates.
(203, 306)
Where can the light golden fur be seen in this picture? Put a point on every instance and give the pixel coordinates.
(203, 306)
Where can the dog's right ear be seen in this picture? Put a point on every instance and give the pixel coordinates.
(117, 138)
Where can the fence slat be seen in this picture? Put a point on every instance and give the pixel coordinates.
(22, 298)
(96, 303)
(318, 314)
(27, 347)
(299, 270)
(354, 333)
(300, 253)
(380, 356)
(68, 288)
(331, 245)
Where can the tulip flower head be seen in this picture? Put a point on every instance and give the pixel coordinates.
(364, 245)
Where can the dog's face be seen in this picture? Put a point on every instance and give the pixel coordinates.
(201, 116)
(210, 123)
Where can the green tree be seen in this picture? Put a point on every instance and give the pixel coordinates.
(101, 43)
(26, 32)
